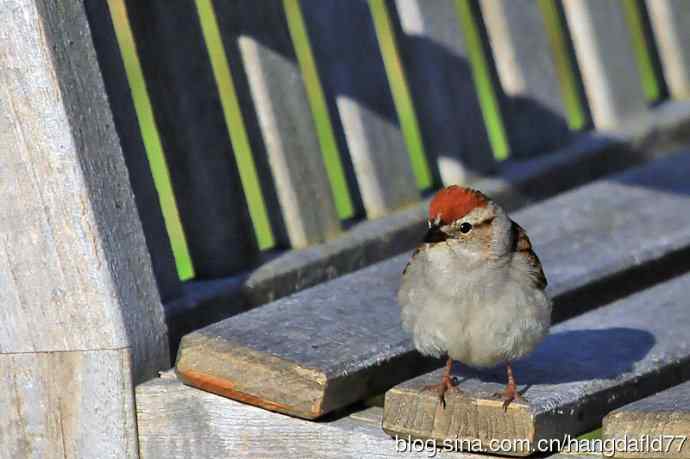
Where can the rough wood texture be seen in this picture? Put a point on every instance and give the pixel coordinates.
(278, 118)
(74, 270)
(534, 113)
(336, 343)
(67, 404)
(587, 366)
(591, 156)
(176, 421)
(604, 52)
(360, 102)
(81, 315)
(434, 54)
(665, 416)
(671, 24)
(195, 139)
(145, 195)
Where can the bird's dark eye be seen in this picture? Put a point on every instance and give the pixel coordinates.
(465, 227)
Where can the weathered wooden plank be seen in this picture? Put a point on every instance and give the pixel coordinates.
(591, 156)
(662, 418)
(141, 180)
(326, 347)
(176, 421)
(278, 118)
(585, 367)
(434, 55)
(671, 24)
(190, 120)
(604, 52)
(67, 404)
(534, 112)
(74, 270)
(360, 102)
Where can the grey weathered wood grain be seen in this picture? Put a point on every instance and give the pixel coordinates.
(665, 415)
(590, 156)
(141, 180)
(328, 346)
(360, 102)
(74, 270)
(81, 318)
(267, 76)
(534, 112)
(176, 421)
(67, 404)
(585, 367)
(434, 55)
(605, 56)
(671, 24)
(195, 138)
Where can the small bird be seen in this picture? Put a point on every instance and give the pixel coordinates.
(474, 290)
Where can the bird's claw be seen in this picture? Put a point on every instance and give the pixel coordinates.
(441, 389)
(509, 395)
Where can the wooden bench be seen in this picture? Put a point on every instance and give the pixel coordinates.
(289, 153)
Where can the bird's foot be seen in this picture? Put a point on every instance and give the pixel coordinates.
(509, 395)
(441, 388)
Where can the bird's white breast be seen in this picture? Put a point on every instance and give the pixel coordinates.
(480, 312)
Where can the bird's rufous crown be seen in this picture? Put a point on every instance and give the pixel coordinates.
(455, 202)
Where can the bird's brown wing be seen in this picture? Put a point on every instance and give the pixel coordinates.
(524, 247)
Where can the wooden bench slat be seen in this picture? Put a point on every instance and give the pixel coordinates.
(587, 366)
(360, 102)
(338, 342)
(534, 112)
(605, 56)
(664, 416)
(434, 55)
(195, 139)
(671, 24)
(141, 179)
(278, 119)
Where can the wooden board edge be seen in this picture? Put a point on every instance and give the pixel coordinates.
(218, 366)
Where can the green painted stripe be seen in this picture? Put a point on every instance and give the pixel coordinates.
(641, 48)
(401, 94)
(488, 101)
(317, 102)
(235, 124)
(152, 142)
(565, 67)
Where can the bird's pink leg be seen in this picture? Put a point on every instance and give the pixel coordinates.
(511, 393)
(445, 384)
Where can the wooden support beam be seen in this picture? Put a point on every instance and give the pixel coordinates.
(341, 341)
(605, 56)
(435, 58)
(671, 25)
(663, 418)
(360, 102)
(191, 123)
(585, 367)
(533, 108)
(81, 316)
(278, 119)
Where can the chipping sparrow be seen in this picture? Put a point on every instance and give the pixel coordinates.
(474, 290)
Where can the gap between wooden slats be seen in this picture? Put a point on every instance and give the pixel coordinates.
(141, 180)
(360, 103)
(279, 122)
(434, 54)
(195, 138)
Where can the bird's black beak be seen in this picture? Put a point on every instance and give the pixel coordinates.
(434, 233)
